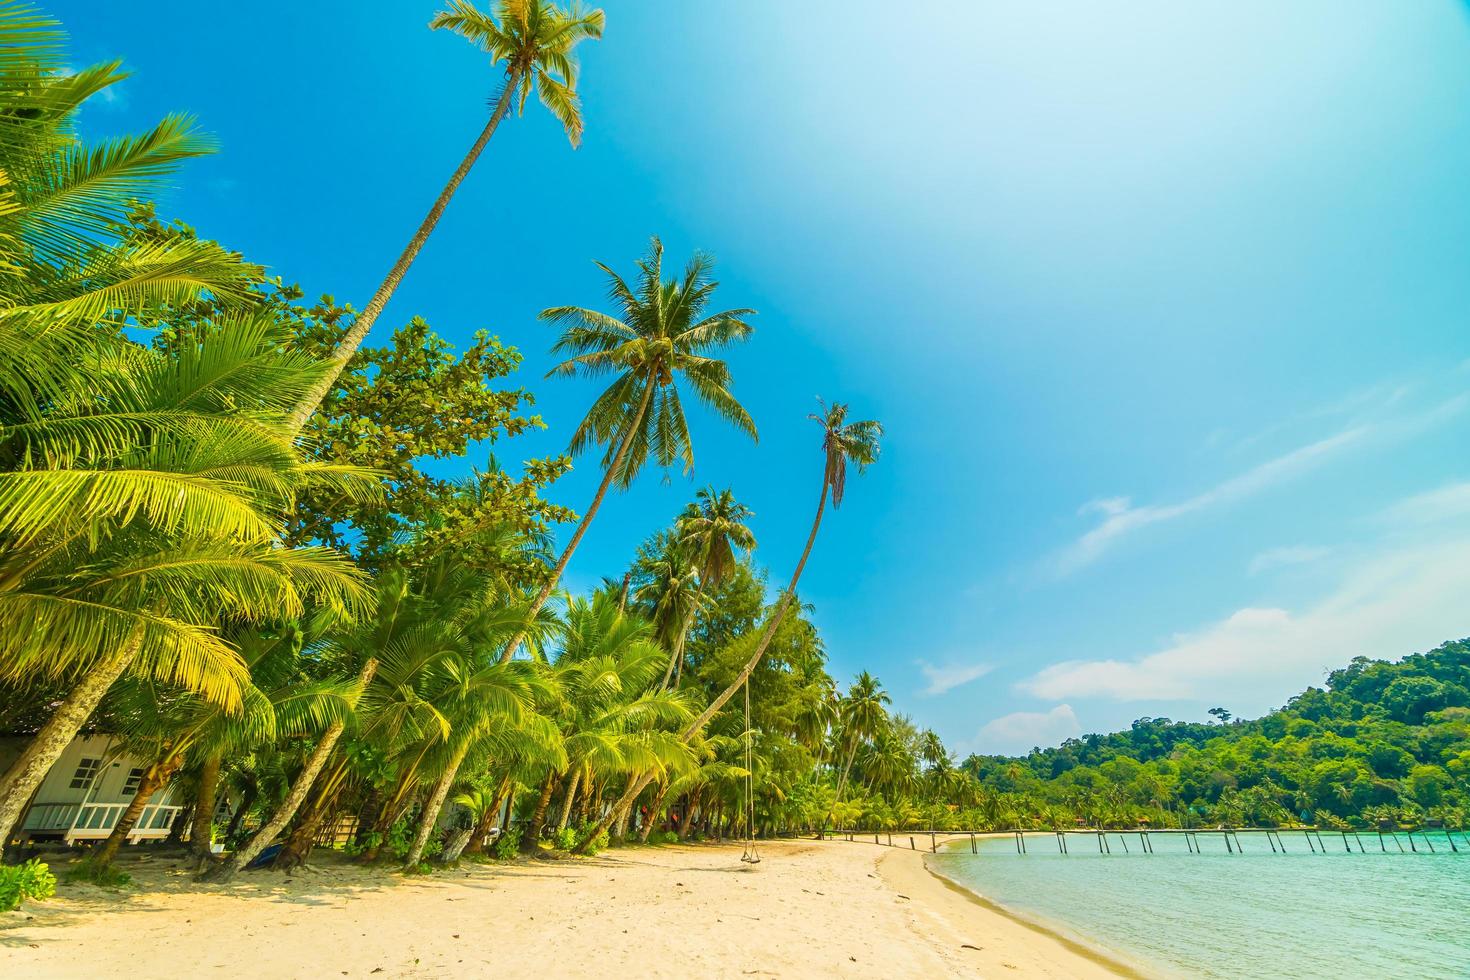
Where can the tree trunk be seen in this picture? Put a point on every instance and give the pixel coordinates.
(181, 821)
(676, 657)
(367, 818)
(247, 800)
(489, 820)
(435, 803)
(201, 835)
(155, 777)
(25, 775)
(297, 849)
(582, 525)
(697, 725)
(691, 815)
(226, 870)
(353, 339)
(658, 801)
(842, 780)
(574, 779)
(538, 816)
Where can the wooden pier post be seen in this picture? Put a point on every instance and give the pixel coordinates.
(1271, 842)
(1345, 845)
(1397, 843)
(933, 847)
(1124, 841)
(912, 845)
(1451, 840)
(972, 842)
(1427, 841)
(1310, 845)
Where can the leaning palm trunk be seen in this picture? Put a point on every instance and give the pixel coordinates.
(489, 820)
(226, 870)
(353, 339)
(653, 810)
(676, 657)
(435, 803)
(566, 555)
(538, 816)
(296, 851)
(573, 781)
(201, 834)
(155, 778)
(842, 781)
(697, 725)
(24, 776)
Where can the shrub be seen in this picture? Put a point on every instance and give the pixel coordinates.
(566, 839)
(598, 844)
(508, 844)
(30, 881)
(665, 837)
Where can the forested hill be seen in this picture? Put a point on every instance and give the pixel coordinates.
(1383, 741)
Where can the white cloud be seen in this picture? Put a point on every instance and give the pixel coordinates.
(1391, 602)
(1021, 731)
(1299, 554)
(1121, 518)
(944, 679)
(1435, 505)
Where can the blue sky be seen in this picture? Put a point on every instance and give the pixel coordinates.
(1163, 306)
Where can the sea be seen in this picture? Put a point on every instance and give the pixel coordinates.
(1295, 905)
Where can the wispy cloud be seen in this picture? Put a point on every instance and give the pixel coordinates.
(1298, 554)
(1021, 731)
(1121, 518)
(1391, 601)
(944, 679)
(1432, 506)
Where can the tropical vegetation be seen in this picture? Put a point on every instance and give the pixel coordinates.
(225, 541)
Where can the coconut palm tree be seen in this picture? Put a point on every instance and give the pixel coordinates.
(140, 509)
(711, 530)
(661, 336)
(843, 442)
(863, 714)
(534, 41)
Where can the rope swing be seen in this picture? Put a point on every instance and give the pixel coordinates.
(750, 855)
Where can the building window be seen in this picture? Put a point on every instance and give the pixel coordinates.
(86, 772)
(130, 787)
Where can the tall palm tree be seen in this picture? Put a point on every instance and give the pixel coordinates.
(534, 40)
(712, 530)
(863, 713)
(843, 442)
(661, 335)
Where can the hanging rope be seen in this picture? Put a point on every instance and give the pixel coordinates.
(750, 855)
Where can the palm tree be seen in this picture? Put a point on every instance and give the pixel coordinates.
(712, 530)
(534, 40)
(139, 510)
(843, 442)
(863, 713)
(661, 334)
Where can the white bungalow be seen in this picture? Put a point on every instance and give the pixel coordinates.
(86, 792)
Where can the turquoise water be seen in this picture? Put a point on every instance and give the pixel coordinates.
(1253, 914)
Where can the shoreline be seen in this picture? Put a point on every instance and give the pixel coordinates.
(808, 909)
(1109, 960)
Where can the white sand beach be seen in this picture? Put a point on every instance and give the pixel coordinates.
(808, 909)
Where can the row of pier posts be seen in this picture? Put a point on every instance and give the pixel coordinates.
(1233, 845)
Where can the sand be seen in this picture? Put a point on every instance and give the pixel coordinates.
(808, 909)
